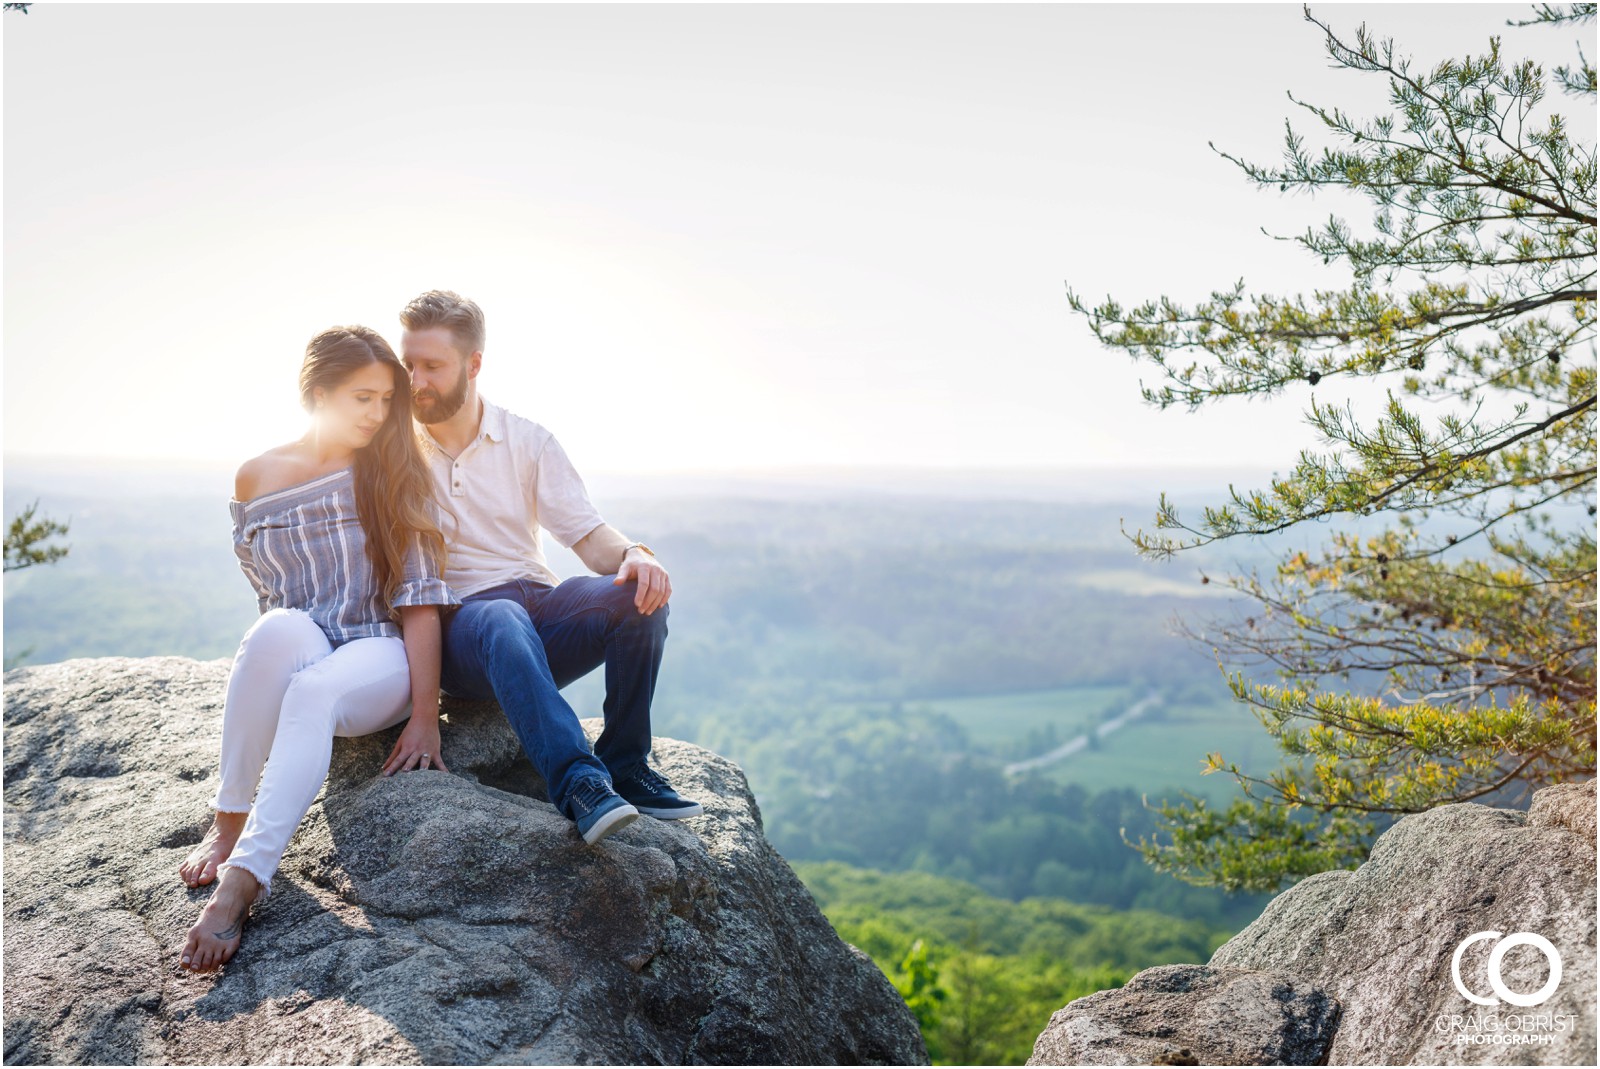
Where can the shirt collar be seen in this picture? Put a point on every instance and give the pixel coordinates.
(493, 424)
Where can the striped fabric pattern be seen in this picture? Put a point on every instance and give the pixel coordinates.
(303, 547)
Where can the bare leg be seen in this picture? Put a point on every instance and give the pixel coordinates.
(215, 936)
(201, 865)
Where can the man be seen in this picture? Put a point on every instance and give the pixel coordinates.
(522, 633)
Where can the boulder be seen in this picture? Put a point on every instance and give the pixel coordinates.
(1380, 943)
(1192, 1015)
(427, 918)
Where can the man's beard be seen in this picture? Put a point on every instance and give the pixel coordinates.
(442, 408)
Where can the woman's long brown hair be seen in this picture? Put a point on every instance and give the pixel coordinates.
(394, 490)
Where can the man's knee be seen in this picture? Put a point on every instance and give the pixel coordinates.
(625, 609)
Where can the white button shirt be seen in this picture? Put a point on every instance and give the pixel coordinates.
(510, 481)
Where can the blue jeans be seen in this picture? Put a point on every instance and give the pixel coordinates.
(519, 643)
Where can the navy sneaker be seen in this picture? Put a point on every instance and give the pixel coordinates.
(599, 810)
(644, 787)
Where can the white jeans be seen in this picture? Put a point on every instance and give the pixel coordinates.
(289, 694)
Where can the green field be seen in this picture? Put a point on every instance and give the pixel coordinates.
(1157, 753)
(996, 721)
(1164, 749)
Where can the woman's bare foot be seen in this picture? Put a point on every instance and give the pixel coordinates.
(215, 936)
(201, 864)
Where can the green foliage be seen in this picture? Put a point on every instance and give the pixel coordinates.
(891, 910)
(1577, 82)
(982, 975)
(919, 986)
(1488, 661)
(26, 539)
(907, 788)
(1231, 848)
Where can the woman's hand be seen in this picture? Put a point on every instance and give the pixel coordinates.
(417, 746)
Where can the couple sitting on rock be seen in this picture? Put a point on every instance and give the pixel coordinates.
(392, 561)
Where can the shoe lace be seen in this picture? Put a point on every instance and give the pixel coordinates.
(648, 778)
(590, 793)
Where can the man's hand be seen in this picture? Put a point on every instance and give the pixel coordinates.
(417, 747)
(654, 585)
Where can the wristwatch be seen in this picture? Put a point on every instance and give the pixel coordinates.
(637, 545)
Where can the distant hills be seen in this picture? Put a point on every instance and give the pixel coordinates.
(123, 476)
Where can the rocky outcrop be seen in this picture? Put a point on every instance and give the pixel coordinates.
(1192, 1015)
(426, 918)
(1355, 967)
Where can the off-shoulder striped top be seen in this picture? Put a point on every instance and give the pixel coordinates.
(303, 547)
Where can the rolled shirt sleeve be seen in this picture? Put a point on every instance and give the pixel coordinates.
(561, 502)
(421, 584)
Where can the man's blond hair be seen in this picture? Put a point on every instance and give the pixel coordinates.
(443, 308)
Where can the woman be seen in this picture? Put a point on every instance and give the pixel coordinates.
(336, 533)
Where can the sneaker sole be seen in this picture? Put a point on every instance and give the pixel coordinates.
(616, 820)
(694, 810)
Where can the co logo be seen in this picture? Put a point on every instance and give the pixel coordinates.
(1496, 957)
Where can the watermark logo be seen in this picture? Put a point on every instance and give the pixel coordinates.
(1497, 958)
(1489, 1027)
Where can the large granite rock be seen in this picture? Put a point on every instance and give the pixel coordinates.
(1192, 1015)
(1375, 946)
(427, 918)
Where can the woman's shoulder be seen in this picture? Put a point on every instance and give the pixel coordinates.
(278, 469)
(264, 473)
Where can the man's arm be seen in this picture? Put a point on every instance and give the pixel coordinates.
(563, 508)
(601, 551)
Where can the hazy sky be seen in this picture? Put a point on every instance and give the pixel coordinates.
(717, 236)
